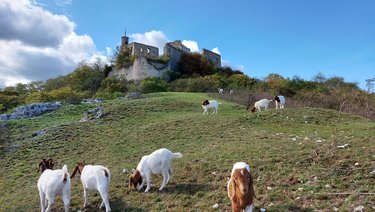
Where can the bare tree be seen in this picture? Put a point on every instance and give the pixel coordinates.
(370, 85)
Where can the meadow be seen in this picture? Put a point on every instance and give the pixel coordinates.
(293, 155)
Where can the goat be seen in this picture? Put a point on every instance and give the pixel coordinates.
(155, 163)
(45, 163)
(280, 102)
(210, 104)
(94, 178)
(220, 90)
(240, 188)
(261, 103)
(52, 183)
(231, 92)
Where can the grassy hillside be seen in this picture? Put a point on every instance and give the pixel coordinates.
(293, 154)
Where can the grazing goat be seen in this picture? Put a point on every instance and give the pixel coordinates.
(155, 163)
(261, 103)
(220, 90)
(45, 163)
(52, 183)
(240, 188)
(210, 104)
(231, 92)
(94, 178)
(280, 102)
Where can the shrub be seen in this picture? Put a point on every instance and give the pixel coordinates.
(152, 84)
(113, 84)
(68, 95)
(108, 95)
(200, 84)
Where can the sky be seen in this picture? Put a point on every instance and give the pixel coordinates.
(41, 39)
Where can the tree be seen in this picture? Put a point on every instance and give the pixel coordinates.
(194, 64)
(370, 84)
(123, 57)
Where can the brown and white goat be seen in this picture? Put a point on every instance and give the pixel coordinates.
(94, 177)
(241, 188)
(45, 163)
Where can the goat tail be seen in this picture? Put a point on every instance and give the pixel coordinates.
(107, 174)
(177, 155)
(66, 173)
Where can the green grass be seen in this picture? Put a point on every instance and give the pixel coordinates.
(280, 146)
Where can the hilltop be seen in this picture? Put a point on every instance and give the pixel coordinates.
(293, 154)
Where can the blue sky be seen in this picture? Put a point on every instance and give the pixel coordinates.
(289, 37)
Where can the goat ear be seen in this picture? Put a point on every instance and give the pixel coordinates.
(231, 188)
(251, 189)
(253, 110)
(130, 181)
(74, 172)
(40, 165)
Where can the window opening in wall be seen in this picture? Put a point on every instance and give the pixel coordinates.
(141, 50)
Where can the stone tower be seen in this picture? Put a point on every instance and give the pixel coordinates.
(124, 40)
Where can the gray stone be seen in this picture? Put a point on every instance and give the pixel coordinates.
(31, 110)
(91, 101)
(92, 114)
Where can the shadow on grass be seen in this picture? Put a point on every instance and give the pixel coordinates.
(184, 188)
(117, 204)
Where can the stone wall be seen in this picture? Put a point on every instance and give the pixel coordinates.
(214, 58)
(139, 49)
(173, 50)
(141, 68)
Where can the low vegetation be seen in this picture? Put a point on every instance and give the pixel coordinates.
(293, 154)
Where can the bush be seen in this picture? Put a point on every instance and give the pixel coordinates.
(113, 84)
(199, 84)
(152, 84)
(10, 98)
(108, 95)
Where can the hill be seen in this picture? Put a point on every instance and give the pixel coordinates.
(293, 154)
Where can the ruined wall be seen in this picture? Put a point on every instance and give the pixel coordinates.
(139, 49)
(174, 50)
(178, 44)
(141, 68)
(214, 58)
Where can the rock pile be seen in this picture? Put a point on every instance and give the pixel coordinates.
(94, 113)
(31, 110)
(91, 101)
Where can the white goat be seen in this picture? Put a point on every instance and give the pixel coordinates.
(52, 183)
(159, 161)
(220, 90)
(280, 102)
(210, 104)
(240, 188)
(261, 103)
(94, 178)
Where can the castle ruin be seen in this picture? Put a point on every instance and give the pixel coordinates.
(146, 63)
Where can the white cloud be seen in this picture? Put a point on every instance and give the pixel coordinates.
(225, 63)
(241, 68)
(216, 50)
(192, 45)
(63, 3)
(109, 51)
(152, 38)
(36, 44)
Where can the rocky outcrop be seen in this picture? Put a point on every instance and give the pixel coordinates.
(141, 68)
(31, 110)
(92, 114)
